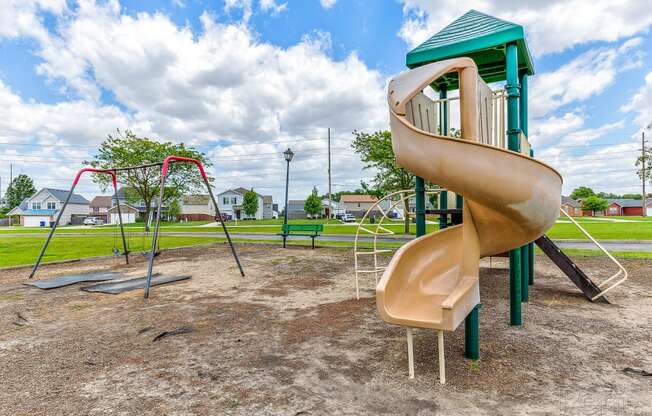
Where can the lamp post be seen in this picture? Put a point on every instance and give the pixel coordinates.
(288, 154)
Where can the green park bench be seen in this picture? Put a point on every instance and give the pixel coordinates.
(306, 230)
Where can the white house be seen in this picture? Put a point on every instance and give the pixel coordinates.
(197, 208)
(230, 203)
(128, 213)
(42, 208)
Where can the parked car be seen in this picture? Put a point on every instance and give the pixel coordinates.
(348, 218)
(93, 221)
(226, 217)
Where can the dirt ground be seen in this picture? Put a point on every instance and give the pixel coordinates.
(291, 339)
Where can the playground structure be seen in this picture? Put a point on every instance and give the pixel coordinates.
(504, 199)
(165, 170)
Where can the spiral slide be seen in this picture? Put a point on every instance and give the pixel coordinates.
(509, 200)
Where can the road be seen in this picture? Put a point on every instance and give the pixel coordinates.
(613, 245)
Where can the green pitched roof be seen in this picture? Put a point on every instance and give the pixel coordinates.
(480, 37)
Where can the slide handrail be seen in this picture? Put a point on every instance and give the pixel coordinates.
(622, 271)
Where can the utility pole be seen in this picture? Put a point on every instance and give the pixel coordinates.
(643, 156)
(330, 205)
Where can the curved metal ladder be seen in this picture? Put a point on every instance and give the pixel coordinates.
(404, 194)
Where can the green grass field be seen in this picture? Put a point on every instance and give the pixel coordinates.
(23, 250)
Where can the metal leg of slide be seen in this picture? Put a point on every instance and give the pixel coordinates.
(152, 253)
(226, 232)
(442, 358)
(56, 223)
(410, 346)
(122, 230)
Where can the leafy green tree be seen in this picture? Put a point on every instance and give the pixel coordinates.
(174, 209)
(582, 192)
(376, 152)
(21, 187)
(312, 205)
(250, 203)
(632, 196)
(594, 203)
(121, 150)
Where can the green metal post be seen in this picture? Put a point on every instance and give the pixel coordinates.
(525, 268)
(443, 195)
(513, 142)
(472, 334)
(420, 208)
(515, 287)
(531, 250)
(523, 123)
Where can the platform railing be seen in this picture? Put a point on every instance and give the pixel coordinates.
(620, 275)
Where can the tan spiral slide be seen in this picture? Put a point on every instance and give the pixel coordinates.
(509, 200)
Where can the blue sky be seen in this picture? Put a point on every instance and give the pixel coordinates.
(243, 79)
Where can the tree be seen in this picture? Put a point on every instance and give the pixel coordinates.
(582, 192)
(312, 206)
(644, 158)
(21, 187)
(594, 203)
(250, 203)
(376, 152)
(174, 209)
(121, 150)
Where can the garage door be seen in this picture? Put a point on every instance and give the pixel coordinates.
(36, 221)
(649, 211)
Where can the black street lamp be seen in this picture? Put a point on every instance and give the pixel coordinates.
(288, 158)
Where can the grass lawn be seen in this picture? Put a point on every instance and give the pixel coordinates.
(601, 230)
(18, 251)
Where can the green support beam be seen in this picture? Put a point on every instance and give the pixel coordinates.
(513, 142)
(472, 334)
(523, 124)
(420, 208)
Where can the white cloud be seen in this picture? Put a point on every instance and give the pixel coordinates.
(220, 84)
(327, 4)
(585, 76)
(551, 26)
(641, 103)
(21, 17)
(247, 7)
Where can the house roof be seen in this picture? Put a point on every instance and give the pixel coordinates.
(358, 198)
(296, 202)
(124, 209)
(479, 36)
(566, 200)
(61, 195)
(102, 201)
(626, 203)
(267, 199)
(196, 200)
(240, 190)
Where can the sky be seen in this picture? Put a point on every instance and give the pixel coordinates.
(241, 80)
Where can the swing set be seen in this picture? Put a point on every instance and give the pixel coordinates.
(165, 170)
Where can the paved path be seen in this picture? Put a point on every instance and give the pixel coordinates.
(611, 245)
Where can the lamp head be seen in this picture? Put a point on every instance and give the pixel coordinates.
(289, 154)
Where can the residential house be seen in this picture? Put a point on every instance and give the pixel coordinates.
(230, 203)
(128, 212)
(197, 208)
(625, 207)
(42, 208)
(571, 206)
(357, 204)
(335, 210)
(100, 206)
(295, 209)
